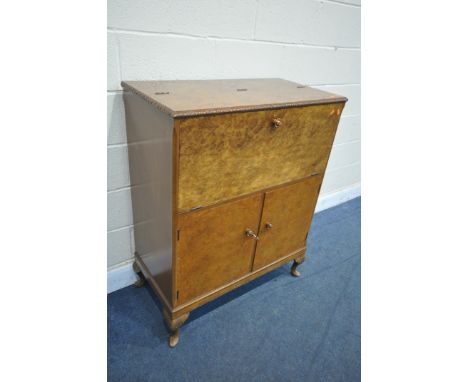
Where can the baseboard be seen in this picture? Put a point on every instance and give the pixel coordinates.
(122, 275)
(334, 198)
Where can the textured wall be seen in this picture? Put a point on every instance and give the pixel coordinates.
(315, 43)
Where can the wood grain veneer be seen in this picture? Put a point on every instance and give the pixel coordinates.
(223, 156)
(225, 178)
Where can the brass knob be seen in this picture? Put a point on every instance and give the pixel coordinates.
(276, 123)
(268, 226)
(250, 233)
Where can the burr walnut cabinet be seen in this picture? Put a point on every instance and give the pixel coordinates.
(225, 178)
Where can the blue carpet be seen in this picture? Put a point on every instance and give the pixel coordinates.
(277, 328)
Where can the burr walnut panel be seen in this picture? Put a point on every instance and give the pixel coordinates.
(228, 155)
(287, 213)
(212, 247)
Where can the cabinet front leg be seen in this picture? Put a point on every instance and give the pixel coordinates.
(296, 263)
(174, 325)
(141, 279)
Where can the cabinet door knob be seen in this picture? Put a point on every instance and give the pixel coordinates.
(268, 226)
(276, 123)
(250, 233)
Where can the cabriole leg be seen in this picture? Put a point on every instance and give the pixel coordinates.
(174, 325)
(141, 279)
(296, 263)
(174, 338)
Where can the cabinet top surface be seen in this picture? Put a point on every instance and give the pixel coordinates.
(201, 97)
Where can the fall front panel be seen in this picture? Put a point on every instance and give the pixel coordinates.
(228, 155)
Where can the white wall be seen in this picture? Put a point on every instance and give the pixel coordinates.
(315, 43)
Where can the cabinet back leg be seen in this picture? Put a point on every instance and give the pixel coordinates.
(141, 279)
(296, 263)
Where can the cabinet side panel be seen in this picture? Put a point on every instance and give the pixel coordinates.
(149, 136)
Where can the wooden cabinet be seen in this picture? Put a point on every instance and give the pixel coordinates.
(225, 178)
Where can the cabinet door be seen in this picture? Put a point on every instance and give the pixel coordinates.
(213, 248)
(286, 217)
